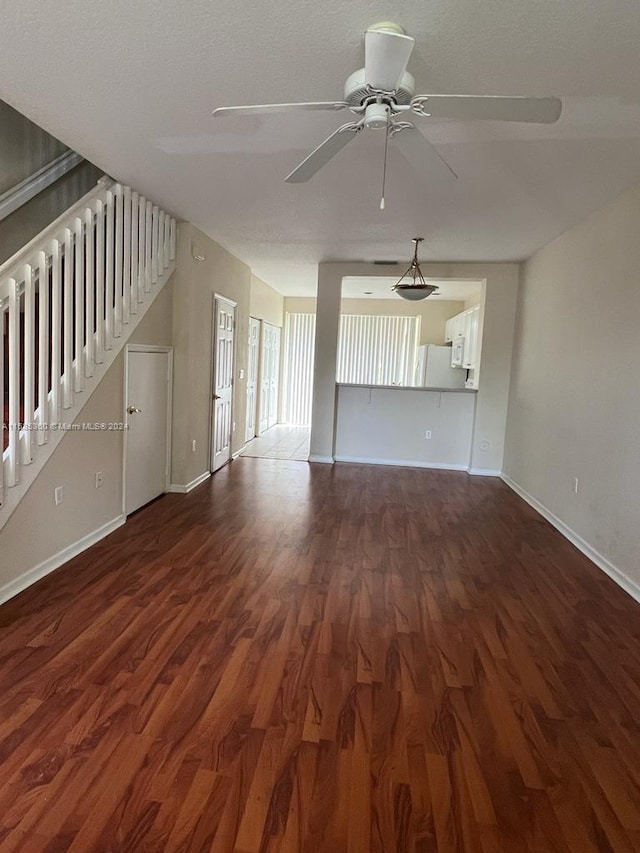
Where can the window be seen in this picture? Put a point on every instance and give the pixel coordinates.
(377, 350)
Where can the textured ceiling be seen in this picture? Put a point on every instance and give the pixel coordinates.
(131, 86)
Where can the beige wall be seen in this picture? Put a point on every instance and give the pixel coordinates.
(195, 283)
(500, 290)
(26, 222)
(574, 408)
(38, 529)
(433, 315)
(265, 303)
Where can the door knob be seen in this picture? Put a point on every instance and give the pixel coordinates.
(133, 410)
(216, 397)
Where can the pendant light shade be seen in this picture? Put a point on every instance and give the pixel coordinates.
(411, 284)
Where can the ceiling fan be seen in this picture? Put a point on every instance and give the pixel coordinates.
(382, 96)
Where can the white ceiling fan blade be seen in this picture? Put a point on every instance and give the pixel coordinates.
(265, 109)
(421, 154)
(323, 153)
(492, 107)
(386, 56)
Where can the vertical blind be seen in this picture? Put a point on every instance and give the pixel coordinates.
(299, 338)
(377, 350)
(371, 350)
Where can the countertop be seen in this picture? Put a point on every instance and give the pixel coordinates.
(408, 388)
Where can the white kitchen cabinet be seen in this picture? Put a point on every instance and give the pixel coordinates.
(464, 326)
(472, 327)
(454, 328)
(449, 331)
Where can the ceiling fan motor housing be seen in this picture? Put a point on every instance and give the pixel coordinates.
(376, 115)
(356, 90)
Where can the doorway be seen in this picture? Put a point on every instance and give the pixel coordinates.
(148, 379)
(224, 317)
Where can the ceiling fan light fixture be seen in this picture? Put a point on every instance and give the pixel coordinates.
(411, 285)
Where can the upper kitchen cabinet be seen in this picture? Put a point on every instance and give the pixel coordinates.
(471, 335)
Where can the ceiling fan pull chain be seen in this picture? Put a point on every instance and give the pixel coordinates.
(384, 167)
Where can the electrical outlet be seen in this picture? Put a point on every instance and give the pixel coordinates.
(242, 373)
(99, 479)
(574, 485)
(427, 433)
(58, 495)
(193, 446)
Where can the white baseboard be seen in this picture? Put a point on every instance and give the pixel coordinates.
(52, 563)
(325, 460)
(484, 472)
(184, 489)
(238, 452)
(616, 574)
(401, 463)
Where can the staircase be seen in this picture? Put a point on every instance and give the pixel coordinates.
(69, 300)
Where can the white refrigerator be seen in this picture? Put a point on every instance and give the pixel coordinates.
(433, 368)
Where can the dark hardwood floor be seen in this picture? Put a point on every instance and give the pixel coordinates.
(306, 658)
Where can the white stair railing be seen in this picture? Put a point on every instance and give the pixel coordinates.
(68, 300)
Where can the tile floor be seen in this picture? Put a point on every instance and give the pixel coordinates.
(281, 442)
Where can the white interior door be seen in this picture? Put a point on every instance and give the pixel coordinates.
(252, 378)
(221, 411)
(274, 377)
(263, 396)
(269, 371)
(147, 418)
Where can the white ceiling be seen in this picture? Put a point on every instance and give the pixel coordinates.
(379, 287)
(131, 86)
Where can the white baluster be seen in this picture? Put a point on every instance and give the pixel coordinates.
(135, 224)
(67, 355)
(117, 284)
(28, 387)
(56, 331)
(100, 321)
(126, 254)
(89, 293)
(167, 239)
(155, 213)
(142, 230)
(109, 273)
(161, 244)
(78, 373)
(13, 466)
(147, 247)
(172, 240)
(44, 353)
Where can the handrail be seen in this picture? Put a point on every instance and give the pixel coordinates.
(9, 267)
(69, 294)
(25, 190)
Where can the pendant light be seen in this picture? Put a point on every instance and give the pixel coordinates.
(411, 284)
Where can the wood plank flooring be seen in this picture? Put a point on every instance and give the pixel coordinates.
(312, 658)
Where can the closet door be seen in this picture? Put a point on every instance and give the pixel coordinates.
(252, 379)
(269, 371)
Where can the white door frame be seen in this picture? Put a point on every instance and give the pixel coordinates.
(212, 382)
(147, 348)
